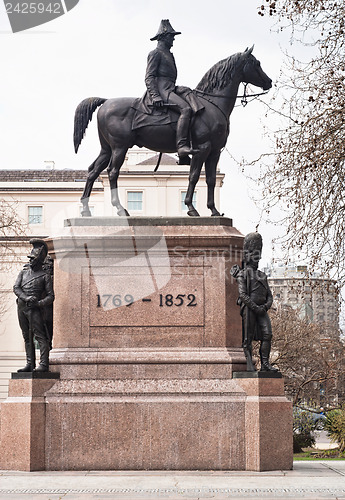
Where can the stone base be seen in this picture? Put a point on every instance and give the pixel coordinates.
(35, 375)
(257, 374)
(170, 423)
(146, 425)
(145, 409)
(147, 337)
(268, 421)
(23, 422)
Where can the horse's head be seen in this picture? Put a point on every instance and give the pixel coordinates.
(253, 73)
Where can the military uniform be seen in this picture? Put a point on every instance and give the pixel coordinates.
(34, 291)
(161, 74)
(160, 80)
(255, 299)
(254, 292)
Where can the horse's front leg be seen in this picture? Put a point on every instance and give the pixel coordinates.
(194, 175)
(117, 159)
(211, 178)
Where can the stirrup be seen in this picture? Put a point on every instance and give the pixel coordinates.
(186, 150)
(183, 160)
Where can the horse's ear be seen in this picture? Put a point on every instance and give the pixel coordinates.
(249, 51)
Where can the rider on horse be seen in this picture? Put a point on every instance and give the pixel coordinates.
(160, 80)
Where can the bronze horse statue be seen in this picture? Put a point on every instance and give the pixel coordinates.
(217, 91)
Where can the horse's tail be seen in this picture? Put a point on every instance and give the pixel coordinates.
(82, 117)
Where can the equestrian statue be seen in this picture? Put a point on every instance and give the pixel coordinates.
(169, 118)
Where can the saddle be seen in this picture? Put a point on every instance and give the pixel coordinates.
(146, 114)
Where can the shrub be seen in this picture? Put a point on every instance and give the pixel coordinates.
(335, 426)
(303, 428)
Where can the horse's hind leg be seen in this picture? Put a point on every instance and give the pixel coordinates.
(117, 159)
(94, 170)
(211, 177)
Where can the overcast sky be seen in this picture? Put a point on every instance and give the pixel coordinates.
(100, 48)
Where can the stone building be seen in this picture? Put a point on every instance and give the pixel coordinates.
(314, 297)
(44, 198)
(316, 300)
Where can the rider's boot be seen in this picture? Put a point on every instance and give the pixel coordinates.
(265, 350)
(183, 145)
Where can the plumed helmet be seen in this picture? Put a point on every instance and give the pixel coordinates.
(252, 241)
(165, 28)
(252, 247)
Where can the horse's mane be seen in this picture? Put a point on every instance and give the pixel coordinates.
(220, 75)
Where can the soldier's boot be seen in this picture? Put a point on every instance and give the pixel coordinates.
(248, 354)
(30, 364)
(26, 368)
(265, 350)
(44, 358)
(182, 140)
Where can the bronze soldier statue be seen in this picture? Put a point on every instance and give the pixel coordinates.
(255, 299)
(160, 80)
(34, 290)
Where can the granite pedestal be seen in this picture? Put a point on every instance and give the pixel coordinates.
(23, 417)
(147, 337)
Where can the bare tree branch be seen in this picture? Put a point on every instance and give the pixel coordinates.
(310, 357)
(307, 178)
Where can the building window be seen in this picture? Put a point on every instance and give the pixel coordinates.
(184, 207)
(35, 215)
(135, 200)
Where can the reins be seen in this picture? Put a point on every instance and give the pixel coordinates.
(244, 98)
(213, 103)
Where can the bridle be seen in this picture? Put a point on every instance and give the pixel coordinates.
(244, 97)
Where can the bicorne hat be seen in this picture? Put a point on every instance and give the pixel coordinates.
(165, 28)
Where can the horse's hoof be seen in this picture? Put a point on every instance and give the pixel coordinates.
(123, 213)
(193, 213)
(85, 212)
(216, 214)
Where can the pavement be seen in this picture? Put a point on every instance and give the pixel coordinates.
(309, 480)
(322, 441)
